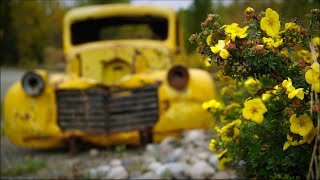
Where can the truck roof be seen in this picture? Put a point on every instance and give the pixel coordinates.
(96, 11)
(113, 10)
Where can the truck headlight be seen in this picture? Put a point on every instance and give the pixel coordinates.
(178, 77)
(32, 83)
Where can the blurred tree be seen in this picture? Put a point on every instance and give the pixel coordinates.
(193, 16)
(8, 48)
(30, 24)
(91, 2)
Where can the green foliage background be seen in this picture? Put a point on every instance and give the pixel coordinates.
(30, 30)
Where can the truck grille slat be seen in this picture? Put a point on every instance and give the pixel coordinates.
(101, 110)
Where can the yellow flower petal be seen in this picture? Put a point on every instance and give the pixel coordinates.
(224, 54)
(286, 145)
(209, 40)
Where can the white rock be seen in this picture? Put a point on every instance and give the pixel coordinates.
(115, 162)
(99, 171)
(153, 166)
(192, 159)
(200, 170)
(203, 156)
(177, 169)
(93, 152)
(169, 141)
(194, 136)
(226, 174)
(118, 172)
(152, 149)
(147, 175)
(176, 155)
(213, 160)
(161, 170)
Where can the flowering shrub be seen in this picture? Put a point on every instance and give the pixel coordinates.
(269, 106)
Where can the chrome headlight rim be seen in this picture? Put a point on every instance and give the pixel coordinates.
(32, 83)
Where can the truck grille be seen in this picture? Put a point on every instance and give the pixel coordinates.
(102, 110)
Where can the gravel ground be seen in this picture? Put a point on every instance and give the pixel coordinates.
(60, 164)
(185, 158)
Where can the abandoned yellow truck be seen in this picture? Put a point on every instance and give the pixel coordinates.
(121, 85)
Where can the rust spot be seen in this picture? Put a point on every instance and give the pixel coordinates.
(25, 117)
(166, 105)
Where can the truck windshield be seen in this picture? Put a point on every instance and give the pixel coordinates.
(113, 28)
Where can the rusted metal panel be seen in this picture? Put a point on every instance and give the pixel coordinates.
(102, 110)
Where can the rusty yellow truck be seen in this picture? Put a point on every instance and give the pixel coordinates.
(121, 84)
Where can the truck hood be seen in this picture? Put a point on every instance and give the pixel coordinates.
(110, 62)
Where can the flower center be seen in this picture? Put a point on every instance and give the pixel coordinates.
(270, 21)
(254, 110)
(302, 122)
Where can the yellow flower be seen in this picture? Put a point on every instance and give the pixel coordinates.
(289, 142)
(302, 125)
(270, 42)
(220, 48)
(292, 91)
(291, 26)
(211, 105)
(316, 41)
(251, 83)
(209, 40)
(308, 138)
(288, 85)
(230, 130)
(222, 163)
(306, 55)
(276, 89)
(223, 160)
(313, 77)
(266, 96)
(212, 144)
(234, 31)
(254, 110)
(270, 23)
(207, 62)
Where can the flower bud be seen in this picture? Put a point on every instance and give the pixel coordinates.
(193, 37)
(258, 17)
(296, 104)
(216, 25)
(304, 31)
(203, 25)
(249, 10)
(210, 17)
(301, 63)
(315, 107)
(248, 42)
(259, 47)
(230, 46)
